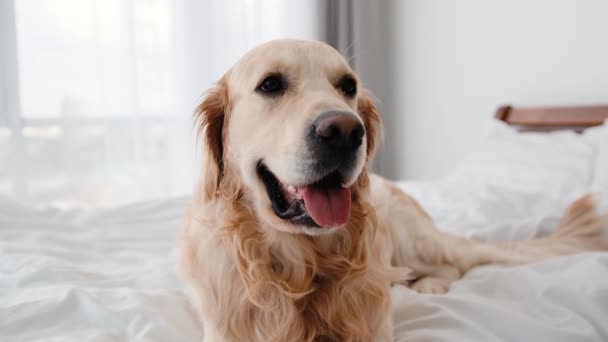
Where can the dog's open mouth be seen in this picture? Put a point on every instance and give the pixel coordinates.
(324, 203)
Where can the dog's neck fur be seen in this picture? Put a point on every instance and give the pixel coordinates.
(306, 288)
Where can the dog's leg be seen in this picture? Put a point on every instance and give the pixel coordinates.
(438, 281)
(438, 259)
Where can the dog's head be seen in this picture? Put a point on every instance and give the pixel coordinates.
(290, 128)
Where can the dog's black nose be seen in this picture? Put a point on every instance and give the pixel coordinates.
(339, 131)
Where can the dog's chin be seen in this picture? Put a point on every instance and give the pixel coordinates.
(269, 216)
(321, 206)
(318, 231)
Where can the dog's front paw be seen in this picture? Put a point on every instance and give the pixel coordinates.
(431, 285)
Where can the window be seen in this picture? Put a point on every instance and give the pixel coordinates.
(93, 96)
(85, 58)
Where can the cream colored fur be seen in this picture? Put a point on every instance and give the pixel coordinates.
(255, 277)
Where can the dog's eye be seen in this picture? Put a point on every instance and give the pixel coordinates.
(348, 86)
(274, 84)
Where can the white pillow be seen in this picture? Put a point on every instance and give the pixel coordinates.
(554, 166)
(597, 137)
(510, 184)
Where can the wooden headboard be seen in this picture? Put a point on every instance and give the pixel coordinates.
(552, 118)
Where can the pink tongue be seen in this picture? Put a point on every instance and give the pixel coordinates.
(327, 207)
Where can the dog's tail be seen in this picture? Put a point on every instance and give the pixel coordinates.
(579, 230)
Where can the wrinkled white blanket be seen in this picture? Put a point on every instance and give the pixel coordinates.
(103, 275)
(108, 275)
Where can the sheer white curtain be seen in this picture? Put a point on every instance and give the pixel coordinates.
(96, 96)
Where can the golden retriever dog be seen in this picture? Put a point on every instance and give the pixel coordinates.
(289, 237)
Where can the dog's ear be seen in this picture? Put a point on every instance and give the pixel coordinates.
(371, 120)
(209, 121)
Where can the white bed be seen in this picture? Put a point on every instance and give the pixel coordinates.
(108, 275)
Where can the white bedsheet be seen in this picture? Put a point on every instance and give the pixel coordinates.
(93, 276)
(108, 275)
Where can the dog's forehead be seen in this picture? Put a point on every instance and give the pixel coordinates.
(284, 55)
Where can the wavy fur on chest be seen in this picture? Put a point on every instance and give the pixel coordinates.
(292, 287)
